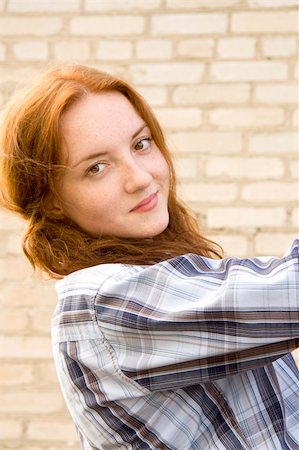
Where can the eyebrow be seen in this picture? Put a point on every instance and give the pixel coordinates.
(101, 154)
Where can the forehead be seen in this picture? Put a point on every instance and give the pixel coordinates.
(104, 111)
(97, 122)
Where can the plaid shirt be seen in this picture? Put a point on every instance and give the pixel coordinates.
(189, 353)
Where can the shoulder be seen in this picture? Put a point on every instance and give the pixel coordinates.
(79, 289)
(92, 279)
(74, 315)
(87, 281)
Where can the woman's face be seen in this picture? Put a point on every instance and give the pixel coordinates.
(117, 181)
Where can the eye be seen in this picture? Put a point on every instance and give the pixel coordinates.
(96, 168)
(143, 144)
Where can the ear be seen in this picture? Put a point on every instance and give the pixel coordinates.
(56, 212)
(53, 208)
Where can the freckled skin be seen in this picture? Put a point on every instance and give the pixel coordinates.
(112, 166)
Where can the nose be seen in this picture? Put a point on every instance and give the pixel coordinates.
(136, 177)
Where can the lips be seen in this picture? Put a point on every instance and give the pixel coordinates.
(147, 204)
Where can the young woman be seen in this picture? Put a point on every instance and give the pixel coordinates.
(158, 342)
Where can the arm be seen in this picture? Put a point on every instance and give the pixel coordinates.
(122, 333)
(191, 319)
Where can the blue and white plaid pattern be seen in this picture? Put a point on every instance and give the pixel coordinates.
(189, 353)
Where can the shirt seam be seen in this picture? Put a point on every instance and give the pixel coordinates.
(109, 346)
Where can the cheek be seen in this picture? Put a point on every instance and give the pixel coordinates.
(76, 199)
(164, 170)
(159, 164)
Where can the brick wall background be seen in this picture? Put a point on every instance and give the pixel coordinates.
(222, 77)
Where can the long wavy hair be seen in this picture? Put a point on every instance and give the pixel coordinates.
(30, 165)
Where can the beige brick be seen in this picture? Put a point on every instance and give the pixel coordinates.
(71, 50)
(186, 168)
(294, 168)
(242, 217)
(70, 446)
(283, 142)
(296, 356)
(272, 3)
(55, 431)
(30, 402)
(154, 49)
(30, 51)
(179, 118)
(196, 48)
(13, 244)
(266, 192)
(246, 118)
(10, 429)
(249, 71)
(232, 245)
(25, 347)
(295, 119)
(16, 269)
(279, 46)
(154, 95)
(265, 22)
(186, 24)
(211, 94)
(34, 6)
(2, 51)
(41, 320)
(277, 93)
(242, 168)
(239, 48)
(13, 255)
(208, 192)
(13, 374)
(295, 218)
(119, 69)
(114, 50)
(296, 71)
(27, 293)
(9, 221)
(107, 25)
(206, 142)
(45, 374)
(3, 244)
(190, 4)
(275, 244)
(171, 73)
(121, 5)
(11, 320)
(37, 26)
(20, 74)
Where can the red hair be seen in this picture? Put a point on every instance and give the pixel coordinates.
(30, 165)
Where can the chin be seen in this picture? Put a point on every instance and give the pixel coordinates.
(155, 230)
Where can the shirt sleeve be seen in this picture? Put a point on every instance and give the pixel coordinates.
(192, 319)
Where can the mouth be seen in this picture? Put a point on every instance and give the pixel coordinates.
(147, 204)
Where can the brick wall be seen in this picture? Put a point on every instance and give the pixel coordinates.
(221, 76)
